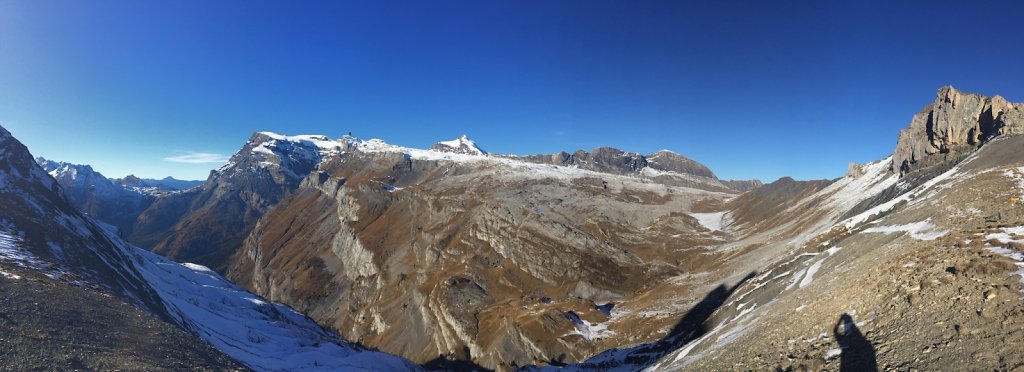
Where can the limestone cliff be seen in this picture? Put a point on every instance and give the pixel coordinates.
(955, 124)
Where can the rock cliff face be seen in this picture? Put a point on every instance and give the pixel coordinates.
(666, 160)
(220, 214)
(953, 126)
(664, 167)
(427, 254)
(742, 185)
(601, 159)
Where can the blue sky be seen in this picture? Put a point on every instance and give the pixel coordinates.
(753, 89)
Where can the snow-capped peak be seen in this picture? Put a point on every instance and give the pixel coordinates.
(461, 145)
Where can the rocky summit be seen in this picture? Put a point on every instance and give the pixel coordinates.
(452, 258)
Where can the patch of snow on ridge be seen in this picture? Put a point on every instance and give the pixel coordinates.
(1006, 237)
(12, 252)
(869, 214)
(851, 190)
(318, 140)
(921, 230)
(589, 331)
(714, 221)
(264, 336)
(809, 277)
(1016, 174)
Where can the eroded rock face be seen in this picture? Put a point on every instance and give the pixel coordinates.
(601, 159)
(220, 214)
(955, 123)
(670, 161)
(473, 260)
(665, 167)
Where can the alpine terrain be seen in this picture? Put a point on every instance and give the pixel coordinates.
(306, 251)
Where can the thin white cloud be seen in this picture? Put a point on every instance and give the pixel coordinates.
(197, 158)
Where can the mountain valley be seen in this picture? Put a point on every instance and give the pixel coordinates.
(307, 252)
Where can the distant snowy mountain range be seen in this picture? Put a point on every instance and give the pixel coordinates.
(83, 176)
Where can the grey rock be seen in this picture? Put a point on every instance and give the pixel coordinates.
(955, 123)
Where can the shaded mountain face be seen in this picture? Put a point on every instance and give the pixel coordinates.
(126, 308)
(92, 193)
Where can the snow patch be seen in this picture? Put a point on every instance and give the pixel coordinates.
(833, 353)
(1005, 237)
(589, 331)
(714, 221)
(12, 252)
(809, 277)
(952, 173)
(319, 141)
(921, 230)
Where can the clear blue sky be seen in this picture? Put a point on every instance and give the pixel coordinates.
(753, 89)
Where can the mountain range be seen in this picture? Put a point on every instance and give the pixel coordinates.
(456, 258)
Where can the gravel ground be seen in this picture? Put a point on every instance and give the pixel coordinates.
(46, 325)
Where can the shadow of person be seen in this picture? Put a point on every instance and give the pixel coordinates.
(857, 352)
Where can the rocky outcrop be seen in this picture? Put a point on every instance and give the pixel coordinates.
(743, 185)
(665, 167)
(602, 159)
(666, 160)
(954, 125)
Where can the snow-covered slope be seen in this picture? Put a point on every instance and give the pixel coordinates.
(39, 231)
(260, 334)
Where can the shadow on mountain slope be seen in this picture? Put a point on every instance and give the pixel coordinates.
(441, 363)
(691, 326)
(857, 352)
